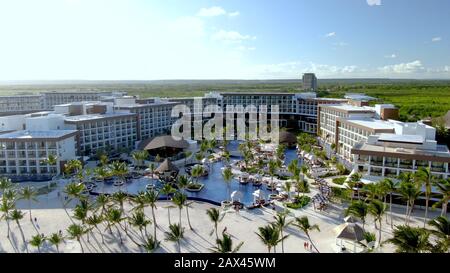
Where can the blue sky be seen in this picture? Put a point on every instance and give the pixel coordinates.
(223, 39)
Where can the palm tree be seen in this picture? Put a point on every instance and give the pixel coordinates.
(73, 166)
(175, 234)
(5, 184)
(187, 154)
(56, 239)
(76, 231)
(120, 169)
(227, 175)
(441, 229)
(409, 192)
(102, 202)
(74, 191)
(444, 188)
(358, 209)
(287, 186)
(16, 216)
(94, 221)
(5, 207)
(282, 223)
(214, 216)
(302, 186)
(425, 179)
(225, 245)
(150, 244)
(410, 239)
(114, 217)
(183, 180)
(304, 170)
(28, 193)
(270, 236)
(150, 198)
(355, 179)
(372, 191)
(139, 220)
(273, 166)
(37, 241)
(120, 198)
(139, 157)
(51, 160)
(377, 209)
(389, 187)
(180, 200)
(303, 224)
(167, 190)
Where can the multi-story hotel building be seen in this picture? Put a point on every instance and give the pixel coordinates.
(153, 118)
(108, 131)
(413, 146)
(21, 104)
(329, 115)
(23, 153)
(309, 82)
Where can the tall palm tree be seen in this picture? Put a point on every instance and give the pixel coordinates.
(372, 191)
(167, 190)
(355, 179)
(74, 191)
(410, 240)
(6, 206)
(102, 203)
(409, 192)
(17, 215)
(150, 198)
(180, 200)
(227, 176)
(389, 187)
(303, 224)
(281, 223)
(273, 167)
(214, 216)
(358, 209)
(287, 187)
(444, 188)
(425, 179)
(120, 198)
(37, 241)
(270, 236)
(225, 245)
(138, 219)
(76, 231)
(113, 218)
(441, 229)
(175, 234)
(94, 221)
(28, 193)
(139, 157)
(56, 239)
(51, 160)
(120, 169)
(73, 166)
(377, 209)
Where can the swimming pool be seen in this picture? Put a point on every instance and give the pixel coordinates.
(215, 188)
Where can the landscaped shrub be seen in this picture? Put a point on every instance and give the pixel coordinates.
(339, 180)
(299, 202)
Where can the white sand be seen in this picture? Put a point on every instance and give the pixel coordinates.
(51, 218)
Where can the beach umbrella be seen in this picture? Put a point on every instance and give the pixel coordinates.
(349, 232)
(258, 194)
(236, 195)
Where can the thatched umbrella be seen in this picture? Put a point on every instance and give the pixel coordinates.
(167, 166)
(350, 232)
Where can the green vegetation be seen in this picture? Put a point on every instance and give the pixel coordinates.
(416, 98)
(339, 180)
(299, 202)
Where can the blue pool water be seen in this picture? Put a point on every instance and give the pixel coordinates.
(215, 188)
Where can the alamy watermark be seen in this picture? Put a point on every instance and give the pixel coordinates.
(235, 122)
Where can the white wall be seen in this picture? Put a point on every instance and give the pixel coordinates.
(9, 123)
(43, 123)
(68, 149)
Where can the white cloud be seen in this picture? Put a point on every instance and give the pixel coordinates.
(211, 12)
(392, 56)
(374, 2)
(216, 11)
(331, 34)
(403, 68)
(436, 39)
(341, 44)
(231, 36)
